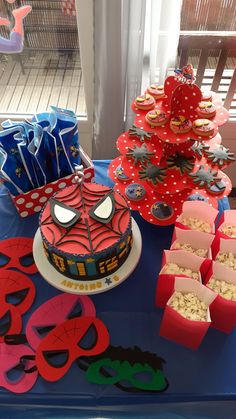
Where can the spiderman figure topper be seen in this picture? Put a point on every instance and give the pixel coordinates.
(185, 73)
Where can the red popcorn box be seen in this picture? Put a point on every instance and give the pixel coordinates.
(222, 310)
(31, 202)
(196, 239)
(200, 210)
(227, 225)
(165, 281)
(221, 245)
(179, 329)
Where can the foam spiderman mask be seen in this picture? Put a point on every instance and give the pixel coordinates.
(67, 342)
(16, 289)
(129, 369)
(17, 253)
(54, 312)
(12, 370)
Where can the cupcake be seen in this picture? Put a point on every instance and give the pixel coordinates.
(145, 102)
(156, 90)
(206, 95)
(135, 192)
(206, 110)
(180, 125)
(203, 127)
(156, 117)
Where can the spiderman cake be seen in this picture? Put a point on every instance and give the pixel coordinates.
(86, 231)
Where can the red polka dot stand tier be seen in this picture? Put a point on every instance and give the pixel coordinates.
(173, 151)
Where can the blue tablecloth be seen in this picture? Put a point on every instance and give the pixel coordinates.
(132, 319)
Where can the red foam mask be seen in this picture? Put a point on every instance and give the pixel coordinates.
(66, 343)
(54, 312)
(12, 374)
(16, 289)
(10, 320)
(17, 253)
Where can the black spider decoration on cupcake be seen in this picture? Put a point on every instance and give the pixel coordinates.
(139, 154)
(153, 173)
(179, 161)
(140, 133)
(220, 155)
(204, 177)
(199, 148)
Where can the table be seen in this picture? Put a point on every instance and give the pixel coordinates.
(200, 381)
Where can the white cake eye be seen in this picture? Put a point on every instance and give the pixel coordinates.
(62, 214)
(104, 210)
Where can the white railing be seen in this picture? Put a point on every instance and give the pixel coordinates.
(222, 45)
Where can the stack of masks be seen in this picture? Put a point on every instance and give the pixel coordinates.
(35, 153)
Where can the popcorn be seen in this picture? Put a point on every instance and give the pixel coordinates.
(228, 259)
(196, 224)
(224, 289)
(174, 269)
(189, 306)
(229, 230)
(185, 246)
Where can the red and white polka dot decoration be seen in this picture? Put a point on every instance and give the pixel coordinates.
(33, 201)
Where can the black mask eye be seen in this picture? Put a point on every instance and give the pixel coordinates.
(27, 260)
(88, 341)
(15, 298)
(5, 323)
(63, 215)
(75, 312)
(15, 374)
(44, 330)
(104, 210)
(3, 260)
(56, 359)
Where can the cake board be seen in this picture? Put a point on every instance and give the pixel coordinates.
(66, 284)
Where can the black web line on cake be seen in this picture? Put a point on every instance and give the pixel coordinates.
(89, 235)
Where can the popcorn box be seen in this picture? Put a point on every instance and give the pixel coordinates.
(222, 310)
(31, 202)
(223, 246)
(200, 210)
(165, 281)
(179, 329)
(228, 218)
(196, 239)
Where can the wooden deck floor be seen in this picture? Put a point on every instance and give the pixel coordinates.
(41, 79)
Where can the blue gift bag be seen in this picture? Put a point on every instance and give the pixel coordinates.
(36, 149)
(13, 172)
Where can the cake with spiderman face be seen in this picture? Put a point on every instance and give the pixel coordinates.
(86, 231)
